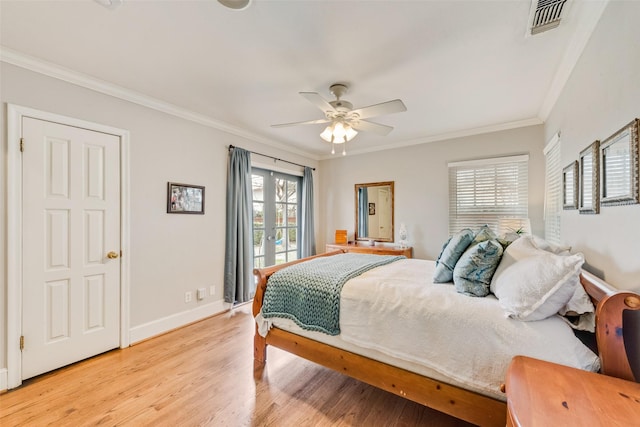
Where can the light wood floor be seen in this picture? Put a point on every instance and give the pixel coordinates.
(202, 375)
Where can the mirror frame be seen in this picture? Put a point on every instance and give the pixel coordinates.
(590, 183)
(376, 184)
(632, 197)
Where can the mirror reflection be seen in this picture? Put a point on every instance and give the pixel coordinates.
(374, 211)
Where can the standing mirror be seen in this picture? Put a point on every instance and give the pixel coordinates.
(374, 211)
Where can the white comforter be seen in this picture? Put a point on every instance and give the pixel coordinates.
(397, 310)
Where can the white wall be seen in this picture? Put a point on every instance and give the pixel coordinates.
(170, 254)
(601, 96)
(421, 184)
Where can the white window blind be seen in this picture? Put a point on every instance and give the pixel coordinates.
(552, 190)
(482, 191)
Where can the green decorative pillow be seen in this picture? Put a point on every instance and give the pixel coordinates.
(485, 233)
(474, 270)
(458, 243)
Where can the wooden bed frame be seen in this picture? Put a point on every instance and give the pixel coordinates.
(453, 400)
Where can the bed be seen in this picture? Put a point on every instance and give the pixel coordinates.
(358, 355)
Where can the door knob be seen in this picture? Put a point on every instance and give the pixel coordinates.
(112, 255)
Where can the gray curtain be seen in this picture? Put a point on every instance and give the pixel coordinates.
(239, 285)
(363, 212)
(307, 239)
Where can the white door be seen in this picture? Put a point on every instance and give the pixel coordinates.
(71, 245)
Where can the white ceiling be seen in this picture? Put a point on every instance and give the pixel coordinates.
(461, 67)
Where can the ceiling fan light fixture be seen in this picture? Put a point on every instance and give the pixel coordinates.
(343, 119)
(338, 133)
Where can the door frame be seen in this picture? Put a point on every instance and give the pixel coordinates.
(15, 113)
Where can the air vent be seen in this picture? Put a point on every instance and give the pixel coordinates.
(546, 15)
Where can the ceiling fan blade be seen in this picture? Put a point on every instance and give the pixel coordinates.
(389, 107)
(318, 101)
(309, 122)
(366, 126)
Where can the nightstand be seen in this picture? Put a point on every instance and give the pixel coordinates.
(368, 249)
(545, 394)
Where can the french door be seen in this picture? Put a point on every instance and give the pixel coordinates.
(276, 217)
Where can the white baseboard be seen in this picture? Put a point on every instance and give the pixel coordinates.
(4, 379)
(166, 324)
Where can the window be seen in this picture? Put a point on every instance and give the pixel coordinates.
(552, 190)
(482, 191)
(276, 218)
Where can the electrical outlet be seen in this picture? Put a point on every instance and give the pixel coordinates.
(188, 296)
(202, 292)
(212, 290)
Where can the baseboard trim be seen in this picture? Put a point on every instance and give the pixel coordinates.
(166, 324)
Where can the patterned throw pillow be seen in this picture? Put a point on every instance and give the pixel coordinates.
(458, 243)
(442, 251)
(474, 270)
(485, 233)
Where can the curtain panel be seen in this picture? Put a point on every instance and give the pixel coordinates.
(239, 285)
(308, 240)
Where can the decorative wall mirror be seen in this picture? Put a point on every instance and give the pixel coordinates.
(570, 186)
(374, 211)
(619, 159)
(590, 179)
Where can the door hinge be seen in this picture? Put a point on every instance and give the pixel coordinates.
(21, 145)
(21, 342)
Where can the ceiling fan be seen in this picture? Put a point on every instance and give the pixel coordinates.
(344, 121)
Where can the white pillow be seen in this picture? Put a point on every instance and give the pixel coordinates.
(581, 309)
(533, 284)
(540, 243)
(519, 249)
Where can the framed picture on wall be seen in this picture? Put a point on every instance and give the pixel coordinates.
(185, 198)
(570, 186)
(372, 208)
(589, 198)
(619, 162)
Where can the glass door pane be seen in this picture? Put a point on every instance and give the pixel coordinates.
(258, 221)
(275, 217)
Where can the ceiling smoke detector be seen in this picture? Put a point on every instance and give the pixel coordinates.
(235, 4)
(110, 4)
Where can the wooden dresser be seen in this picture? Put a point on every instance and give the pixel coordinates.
(366, 248)
(546, 394)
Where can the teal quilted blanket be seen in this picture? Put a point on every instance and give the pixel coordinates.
(309, 293)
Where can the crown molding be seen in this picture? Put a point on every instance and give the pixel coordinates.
(584, 28)
(49, 69)
(445, 136)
